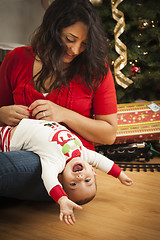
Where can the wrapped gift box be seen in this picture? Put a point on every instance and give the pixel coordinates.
(138, 122)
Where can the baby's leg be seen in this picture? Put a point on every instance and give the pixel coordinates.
(12, 132)
(6, 134)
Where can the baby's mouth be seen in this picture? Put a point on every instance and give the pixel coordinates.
(77, 167)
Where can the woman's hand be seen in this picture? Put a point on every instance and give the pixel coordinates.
(13, 114)
(47, 110)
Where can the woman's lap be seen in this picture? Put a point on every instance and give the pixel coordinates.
(20, 176)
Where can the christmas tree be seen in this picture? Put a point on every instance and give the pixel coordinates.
(142, 39)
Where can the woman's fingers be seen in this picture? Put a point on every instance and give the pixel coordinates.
(37, 103)
(43, 115)
(11, 115)
(38, 109)
(42, 109)
(47, 110)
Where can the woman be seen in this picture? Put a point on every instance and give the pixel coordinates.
(65, 77)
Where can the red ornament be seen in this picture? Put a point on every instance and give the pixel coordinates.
(134, 70)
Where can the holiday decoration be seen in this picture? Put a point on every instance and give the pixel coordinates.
(137, 136)
(138, 122)
(134, 70)
(120, 47)
(45, 4)
(127, 152)
(143, 23)
(96, 2)
(131, 156)
(142, 38)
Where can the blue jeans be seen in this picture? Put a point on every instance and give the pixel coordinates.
(20, 176)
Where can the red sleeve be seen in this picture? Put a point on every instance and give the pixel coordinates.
(13, 70)
(115, 171)
(57, 192)
(6, 97)
(105, 101)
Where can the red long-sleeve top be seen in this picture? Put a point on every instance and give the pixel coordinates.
(16, 73)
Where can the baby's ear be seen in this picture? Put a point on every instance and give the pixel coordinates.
(60, 178)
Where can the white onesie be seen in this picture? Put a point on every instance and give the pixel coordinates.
(55, 145)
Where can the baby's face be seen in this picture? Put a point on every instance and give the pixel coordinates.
(78, 180)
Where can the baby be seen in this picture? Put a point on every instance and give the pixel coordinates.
(67, 166)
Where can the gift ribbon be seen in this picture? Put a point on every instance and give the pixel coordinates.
(120, 47)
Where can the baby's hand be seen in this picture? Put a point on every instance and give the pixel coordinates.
(125, 179)
(66, 210)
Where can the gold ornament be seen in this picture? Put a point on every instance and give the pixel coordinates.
(120, 47)
(96, 2)
(143, 23)
(45, 3)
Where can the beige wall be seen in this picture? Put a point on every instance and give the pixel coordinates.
(18, 19)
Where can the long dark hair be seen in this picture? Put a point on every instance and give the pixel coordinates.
(48, 46)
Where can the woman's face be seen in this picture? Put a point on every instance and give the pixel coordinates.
(75, 39)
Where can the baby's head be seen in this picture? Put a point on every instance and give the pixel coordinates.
(78, 180)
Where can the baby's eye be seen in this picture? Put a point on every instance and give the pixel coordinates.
(73, 184)
(88, 180)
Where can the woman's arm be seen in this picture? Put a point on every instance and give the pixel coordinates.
(101, 130)
(10, 114)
